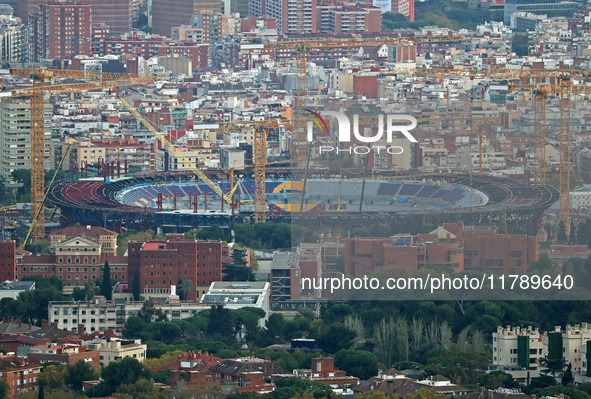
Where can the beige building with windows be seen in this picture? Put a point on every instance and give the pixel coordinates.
(102, 315)
(80, 152)
(106, 239)
(166, 162)
(114, 349)
(433, 153)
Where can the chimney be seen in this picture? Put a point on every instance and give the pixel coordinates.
(458, 381)
(19, 322)
(43, 323)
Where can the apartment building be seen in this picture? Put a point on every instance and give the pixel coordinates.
(491, 158)
(520, 351)
(159, 265)
(20, 374)
(187, 34)
(568, 344)
(7, 259)
(113, 349)
(404, 7)
(15, 136)
(12, 35)
(451, 245)
(61, 31)
(131, 151)
(99, 315)
(165, 162)
(67, 354)
(116, 15)
(292, 16)
(166, 14)
(81, 153)
(433, 153)
(517, 348)
(357, 18)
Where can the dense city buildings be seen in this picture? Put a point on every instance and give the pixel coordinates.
(166, 14)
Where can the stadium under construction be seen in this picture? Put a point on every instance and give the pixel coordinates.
(179, 202)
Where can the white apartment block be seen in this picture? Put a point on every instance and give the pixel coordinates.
(574, 339)
(102, 315)
(519, 351)
(515, 347)
(15, 136)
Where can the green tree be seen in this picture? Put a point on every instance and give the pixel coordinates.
(41, 394)
(221, 324)
(335, 337)
(136, 327)
(556, 390)
(519, 44)
(567, 377)
(53, 376)
(77, 373)
(141, 389)
(185, 287)
(106, 288)
(148, 313)
(358, 363)
(125, 371)
(553, 366)
(79, 293)
(497, 379)
(425, 394)
(4, 389)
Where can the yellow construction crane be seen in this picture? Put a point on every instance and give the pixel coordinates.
(303, 48)
(179, 155)
(557, 81)
(42, 80)
(260, 128)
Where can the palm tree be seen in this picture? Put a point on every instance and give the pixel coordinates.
(185, 287)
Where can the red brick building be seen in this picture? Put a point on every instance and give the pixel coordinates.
(77, 255)
(20, 374)
(358, 18)
(64, 354)
(453, 245)
(197, 53)
(7, 259)
(365, 86)
(323, 371)
(61, 31)
(161, 264)
(133, 46)
(115, 14)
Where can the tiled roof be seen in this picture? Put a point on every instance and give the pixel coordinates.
(94, 231)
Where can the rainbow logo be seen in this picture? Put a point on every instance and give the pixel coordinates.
(317, 119)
